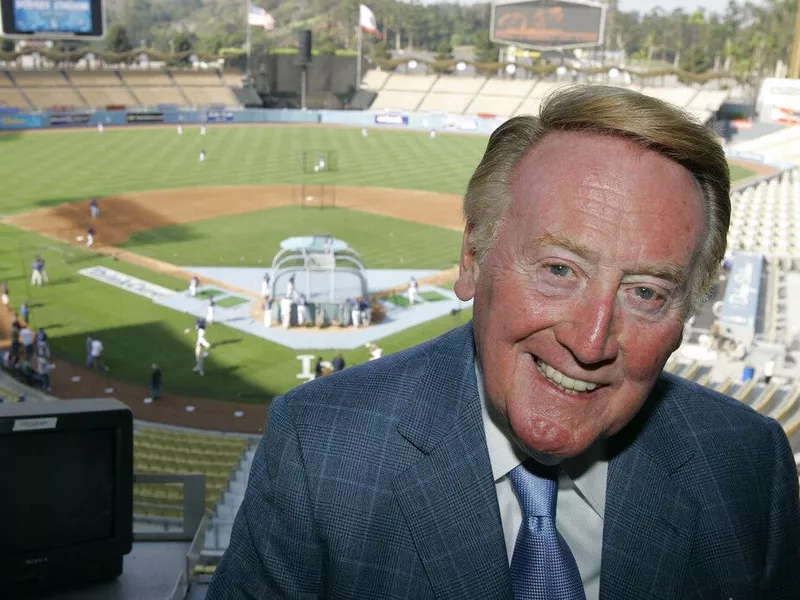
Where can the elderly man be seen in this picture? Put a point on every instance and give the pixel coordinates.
(540, 451)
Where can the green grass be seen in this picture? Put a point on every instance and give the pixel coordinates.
(432, 296)
(231, 301)
(253, 239)
(136, 332)
(739, 172)
(398, 300)
(47, 169)
(209, 293)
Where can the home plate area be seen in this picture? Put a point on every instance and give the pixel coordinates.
(235, 310)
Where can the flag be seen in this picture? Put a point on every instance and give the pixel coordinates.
(261, 18)
(367, 22)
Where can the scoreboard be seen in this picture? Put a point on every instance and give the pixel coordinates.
(52, 19)
(548, 24)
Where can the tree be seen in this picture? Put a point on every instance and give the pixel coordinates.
(380, 51)
(117, 39)
(444, 53)
(445, 50)
(182, 42)
(485, 49)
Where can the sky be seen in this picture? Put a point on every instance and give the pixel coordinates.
(644, 6)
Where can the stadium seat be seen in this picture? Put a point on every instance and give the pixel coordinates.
(410, 83)
(167, 451)
(458, 85)
(374, 79)
(146, 78)
(94, 78)
(35, 79)
(10, 97)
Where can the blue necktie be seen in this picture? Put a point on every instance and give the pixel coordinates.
(542, 566)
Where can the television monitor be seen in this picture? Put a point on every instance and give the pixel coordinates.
(66, 493)
(52, 19)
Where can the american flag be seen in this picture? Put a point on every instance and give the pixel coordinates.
(260, 18)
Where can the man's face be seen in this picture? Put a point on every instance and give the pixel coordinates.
(580, 301)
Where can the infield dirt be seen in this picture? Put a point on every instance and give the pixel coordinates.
(126, 214)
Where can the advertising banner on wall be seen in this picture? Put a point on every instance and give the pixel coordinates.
(68, 119)
(460, 123)
(145, 117)
(219, 116)
(20, 121)
(391, 119)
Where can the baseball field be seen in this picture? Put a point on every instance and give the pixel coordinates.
(394, 196)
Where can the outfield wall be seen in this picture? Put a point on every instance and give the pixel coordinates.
(14, 120)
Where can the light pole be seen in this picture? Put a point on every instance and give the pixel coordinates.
(794, 66)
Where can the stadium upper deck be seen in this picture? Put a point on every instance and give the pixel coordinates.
(506, 97)
(38, 90)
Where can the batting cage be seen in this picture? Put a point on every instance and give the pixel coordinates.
(326, 271)
(318, 161)
(314, 195)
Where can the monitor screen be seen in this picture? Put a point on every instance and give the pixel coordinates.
(52, 18)
(75, 468)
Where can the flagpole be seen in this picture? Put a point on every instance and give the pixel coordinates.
(248, 42)
(358, 64)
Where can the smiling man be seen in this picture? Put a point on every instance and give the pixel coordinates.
(540, 451)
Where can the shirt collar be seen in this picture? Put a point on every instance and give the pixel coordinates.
(588, 472)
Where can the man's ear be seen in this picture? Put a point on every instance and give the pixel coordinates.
(468, 269)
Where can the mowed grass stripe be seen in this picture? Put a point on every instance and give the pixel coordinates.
(253, 239)
(42, 170)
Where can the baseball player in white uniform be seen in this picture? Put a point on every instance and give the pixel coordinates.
(210, 311)
(286, 312)
(413, 289)
(38, 274)
(267, 306)
(193, 286)
(180, 129)
(375, 351)
(302, 310)
(200, 355)
(355, 313)
(201, 348)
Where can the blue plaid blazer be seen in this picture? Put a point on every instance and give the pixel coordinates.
(375, 483)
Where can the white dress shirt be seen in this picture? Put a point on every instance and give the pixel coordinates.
(581, 501)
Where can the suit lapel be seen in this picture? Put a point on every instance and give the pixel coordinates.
(650, 520)
(448, 496)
